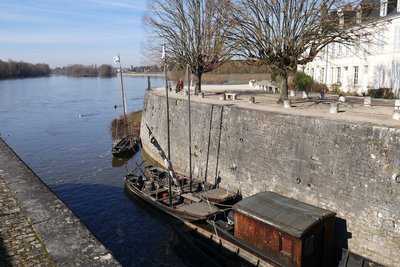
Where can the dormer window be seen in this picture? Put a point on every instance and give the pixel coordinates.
(341, 18)
(384, 6)
(359, 14)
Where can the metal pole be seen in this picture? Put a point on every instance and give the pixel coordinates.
(168, 134)
(190, 132)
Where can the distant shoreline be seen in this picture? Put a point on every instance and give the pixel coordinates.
(153, 74)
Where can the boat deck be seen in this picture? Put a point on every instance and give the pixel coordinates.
(217, 194)
(200, 208)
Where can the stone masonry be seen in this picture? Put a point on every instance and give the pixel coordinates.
(349, 167)
(36, 227)
(19, 243)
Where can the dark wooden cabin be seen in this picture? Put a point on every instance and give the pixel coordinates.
(286, 231)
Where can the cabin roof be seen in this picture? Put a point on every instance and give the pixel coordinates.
(286, 214)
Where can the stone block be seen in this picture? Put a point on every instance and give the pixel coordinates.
(287, 103)
(396, 114)
(367, 101)
(334, 107)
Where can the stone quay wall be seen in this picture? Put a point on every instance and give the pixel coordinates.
(352, 169)
(36, 227)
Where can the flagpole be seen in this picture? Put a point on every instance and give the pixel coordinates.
(117, 59)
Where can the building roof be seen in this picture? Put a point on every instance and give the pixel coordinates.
(286, 214)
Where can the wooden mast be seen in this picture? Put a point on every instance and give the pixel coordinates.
(164, 57)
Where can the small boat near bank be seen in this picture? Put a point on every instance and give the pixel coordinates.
(127, 144)
(126, 147)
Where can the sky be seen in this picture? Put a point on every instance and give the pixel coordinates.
(65, 32)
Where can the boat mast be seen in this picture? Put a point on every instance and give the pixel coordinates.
(118, 59)
(190, 130)
(164, 58)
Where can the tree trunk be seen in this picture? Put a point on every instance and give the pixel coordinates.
(197, 88)
(284, 87)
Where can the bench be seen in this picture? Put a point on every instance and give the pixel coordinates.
(231, 96)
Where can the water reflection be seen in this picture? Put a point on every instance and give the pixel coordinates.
(118, 162)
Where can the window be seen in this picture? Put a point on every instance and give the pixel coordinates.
(381, 41)
(339, 50)
(312, 73)
(358, 14)
(384, 4)
(286, 246)
(338, 80)
(321, 75)
(379, 76)
(396, 38)
(333, 50)
(395, 76)
(309, 246)
(355, 80)
(332, 69)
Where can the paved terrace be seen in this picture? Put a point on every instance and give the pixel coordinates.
(36, 228)
(352, 110)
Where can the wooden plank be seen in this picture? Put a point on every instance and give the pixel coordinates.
(191, 197)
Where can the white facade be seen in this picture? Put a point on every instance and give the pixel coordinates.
(351, 69)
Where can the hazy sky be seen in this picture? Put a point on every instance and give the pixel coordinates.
(63, 32)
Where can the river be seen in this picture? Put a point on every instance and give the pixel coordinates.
(60, 126)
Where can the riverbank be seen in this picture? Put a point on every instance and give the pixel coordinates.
(37, 228)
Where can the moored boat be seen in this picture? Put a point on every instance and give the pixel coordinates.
(181, 200)
(126, 147)
(269, 229)
(127, 144)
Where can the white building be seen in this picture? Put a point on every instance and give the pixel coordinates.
(351, 69)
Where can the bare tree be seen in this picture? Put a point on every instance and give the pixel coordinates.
(285, 33)
(195, 33)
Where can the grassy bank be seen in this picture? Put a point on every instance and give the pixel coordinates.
(119, 128)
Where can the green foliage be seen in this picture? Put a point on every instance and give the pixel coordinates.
(14, 69)
(386, 93)
(302, 81)
(318, 87)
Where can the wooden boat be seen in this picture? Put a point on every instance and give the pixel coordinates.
(180, 202)
(269, 229)
(126, 147)
(175, 194)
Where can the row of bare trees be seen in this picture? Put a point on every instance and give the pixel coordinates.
(203, 34)
(19, 69)
(78, 70)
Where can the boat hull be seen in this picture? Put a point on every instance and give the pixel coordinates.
(125, 148)
(170, 210)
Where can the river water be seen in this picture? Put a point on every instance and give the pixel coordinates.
(60, 126)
